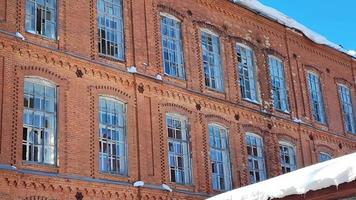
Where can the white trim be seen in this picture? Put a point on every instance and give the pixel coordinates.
(255, 135)
(286, 143)
(164, 14)
(314, 73)
(40, 80)
(245, 46)
(208, 31)
(112, 98)
(276, 58)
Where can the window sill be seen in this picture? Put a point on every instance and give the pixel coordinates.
(114, 177)
(179, 186)
(111, 58)
(43, 37)
(39, 167)
(252, 101)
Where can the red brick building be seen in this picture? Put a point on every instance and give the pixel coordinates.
(200, 95)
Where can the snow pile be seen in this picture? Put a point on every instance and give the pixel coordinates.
(283, 19)
(352, 53)
(315, 177)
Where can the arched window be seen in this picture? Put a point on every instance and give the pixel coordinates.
(288, 157)
(256, 159)
(347, 108)
(220, 158)
(212, 60)
(172, 46)
(178, 149)
(279, 90)
(316, 98)
(39, 121)
(324, 157)
(247, 73)
(111, 28)
(112, 136)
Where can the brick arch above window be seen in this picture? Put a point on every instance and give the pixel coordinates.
(247, 43)
(275, 53)
(287, 138)
(171, 11)
(339, 80)
(214, 29)
(250, 128)
(322, 148)
(218, 120)
(176, 108)
(313, 69)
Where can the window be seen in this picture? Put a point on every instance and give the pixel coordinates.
(316, 98)
(220, 158)
(178, 146)
(112, 136)
(111, 28)
(39, 122)
(279, 90)
(211, 61)
(288, 157)
(256, 160)
(324, 157)
(172, 47)
(247, 73)
(41, 17)
(347, 108)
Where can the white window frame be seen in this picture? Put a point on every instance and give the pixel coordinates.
(347, 108)
(213, 72)
(220, 160)
(182, 175)
(172, 47)
(289, 155)
(278, 83)
(113, 136)
(325, 155)
(316, 98)
(256, 163)
(109, 45)
(31, 23)
(247, 73)
(46, 126)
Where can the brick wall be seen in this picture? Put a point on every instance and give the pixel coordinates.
(148, 99)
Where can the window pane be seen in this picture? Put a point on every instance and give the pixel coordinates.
(110, 33)
(39, 122)
(247, 73)
(287, 155)
(41, 17)
(279, 91)
(211, 61)
(347, 108)
(112, 136)
(219, 158)
(316, 98)
(256, 160)
(178, 147)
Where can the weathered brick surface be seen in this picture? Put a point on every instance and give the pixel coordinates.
(148, 100)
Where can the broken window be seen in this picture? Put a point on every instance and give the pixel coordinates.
(41, 17)
(256, 160)
(212, 61)
(219, 158)
(288, 157)
(172, 47)
(347, 108)
(316, 97)
(279, 90)
(112, 136)
(178, 149)
(247, 73)
(39, 122)
(111, 28)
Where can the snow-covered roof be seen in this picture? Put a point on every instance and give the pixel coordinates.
(322, 175)
(283, 19)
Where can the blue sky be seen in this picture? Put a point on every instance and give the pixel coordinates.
(336, 20)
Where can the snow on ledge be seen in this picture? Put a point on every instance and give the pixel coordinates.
(283, 19)
(322, 175)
